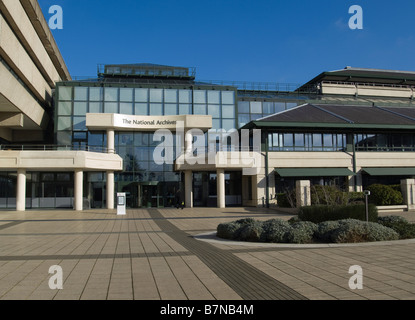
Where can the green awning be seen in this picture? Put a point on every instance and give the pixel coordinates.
(314, 172)
(404, 171)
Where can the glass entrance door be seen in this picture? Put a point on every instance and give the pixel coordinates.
(149, 196)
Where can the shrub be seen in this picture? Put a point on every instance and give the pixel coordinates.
(328, 195)
(249, 232)
(275, 230)
(325, 230)
(405, 229)
(227, 230)
(352, 231)
(301, 232)
(319, 214)
(286, 199)
(383, 195)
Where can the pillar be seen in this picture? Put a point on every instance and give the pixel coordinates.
(188, 189)
(21, 190)
(110, 190)
(188, 143)
(220, 182)
(408, 192)
(303, 193)
(79, 190)
(110, 141)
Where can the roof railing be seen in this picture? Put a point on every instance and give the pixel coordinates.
(97, 149)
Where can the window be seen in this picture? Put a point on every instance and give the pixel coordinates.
(228, 111)
(141, 109)
(126, 108)
(65, 93)
(81, 93)
(95, 94)
(256, 107)
(185, 96)
(228, 97)
(141, 95)
(80, 108)
(126, 94)
(200, 109)
(200, 96)
(111, 94)
(156, 95)
(243, 106)
(214, 110)
(65, 108)
(156, 109)
(111, 107)
(170, 96)
(268, 107)
(214, 97)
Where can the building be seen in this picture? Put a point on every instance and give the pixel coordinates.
(161, 136)
(34, 172)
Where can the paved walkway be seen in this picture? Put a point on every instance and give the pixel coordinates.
(152, 255)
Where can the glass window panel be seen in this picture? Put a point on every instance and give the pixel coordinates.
(243, 119)
(228, 124)
(275, 140)
(228, 111)
(95, 107)
(185, 109)
(141, 139)
(141, 109)
(185, 96)
(255, 116)
(291, 105)
(126, 94)
(95, 94)
(156, 109)
(382, 140)
(317, 140)
(65, 93)
(200, 96)
(79, 123)
(95, 139)
(170, 95)
(111, 94)
(156, 95)
(64, 123)
(141, 95)
(65, 108)
(279, 106)
(126, 108)
(81, 93)
(170, 109)
(111, 107)
(64, 138)
(216, 124)
(243, 107)
(200, 109)
(256, 107)
(299, 139)
(288, 140)
(214, 97)
(79, 136)
(79, 108)
(228, 97)
(268, 107)
(328, 140)
(214, 110)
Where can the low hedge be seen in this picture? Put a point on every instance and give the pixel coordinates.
(405, 229)
(280, 231)
(323, 213)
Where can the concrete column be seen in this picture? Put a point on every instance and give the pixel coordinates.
(303, 193)
(79, 190)
(110, 190)
(220, 182)
(111, 141)
(188, 143)
(408, 192)
(21, 190)
(188, 189)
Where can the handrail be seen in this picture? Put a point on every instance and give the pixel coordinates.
(34, 147)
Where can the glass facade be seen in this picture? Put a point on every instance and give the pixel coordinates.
(306, 142)
(253, 110)
(145, 182)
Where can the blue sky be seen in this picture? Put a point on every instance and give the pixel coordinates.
(287, 41)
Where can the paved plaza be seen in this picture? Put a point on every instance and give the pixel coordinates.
(170, 254)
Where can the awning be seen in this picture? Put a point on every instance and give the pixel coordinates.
(404, 171)
(314, 172)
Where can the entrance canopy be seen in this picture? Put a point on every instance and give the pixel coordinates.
(314, 172)
(122, 122)
(403, 171)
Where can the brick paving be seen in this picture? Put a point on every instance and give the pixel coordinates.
(151, 255)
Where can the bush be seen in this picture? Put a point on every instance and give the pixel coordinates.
(383, 195)
(227, 230)
(275, 230)
(249, 232)
(325, 230)
(319, 214)
(301, 232)
(405, 229)
(353, 231)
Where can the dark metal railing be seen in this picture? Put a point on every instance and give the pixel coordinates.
(98, 149)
